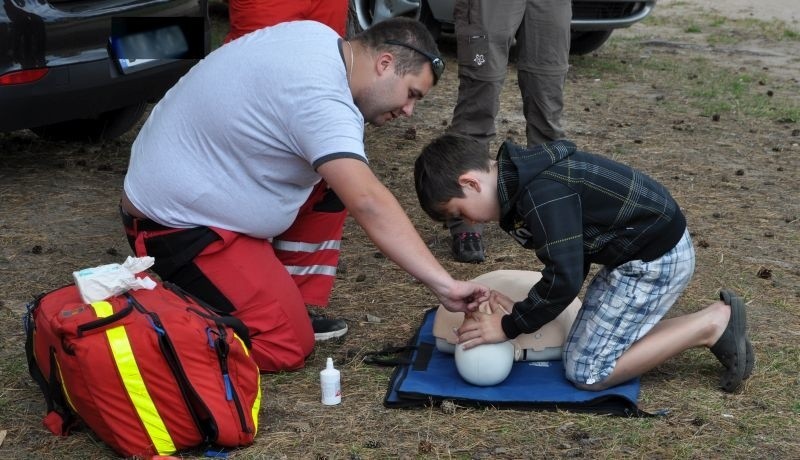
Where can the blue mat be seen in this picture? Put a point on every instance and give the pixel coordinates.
(425, 376)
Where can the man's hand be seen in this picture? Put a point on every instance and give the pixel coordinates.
(464, 296)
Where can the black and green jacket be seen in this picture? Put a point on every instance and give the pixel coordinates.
(574, 209)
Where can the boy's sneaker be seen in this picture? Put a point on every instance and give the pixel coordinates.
(468, 248)
(326, 328)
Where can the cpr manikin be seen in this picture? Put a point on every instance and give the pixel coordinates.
(490, 364)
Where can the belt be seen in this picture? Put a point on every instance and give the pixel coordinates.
(138, 223)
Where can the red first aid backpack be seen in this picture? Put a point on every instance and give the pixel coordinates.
(151, 372)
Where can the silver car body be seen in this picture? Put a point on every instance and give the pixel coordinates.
(591, 19)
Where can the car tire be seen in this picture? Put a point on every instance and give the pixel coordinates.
(425, 16)
(353, 26)
(108, 125)
(585, 42)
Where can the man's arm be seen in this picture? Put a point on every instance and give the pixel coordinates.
(377, 211)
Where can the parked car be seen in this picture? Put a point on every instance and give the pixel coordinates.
(57, 73)
(592, 20)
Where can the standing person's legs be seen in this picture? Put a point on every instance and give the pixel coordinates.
(473, 116)
(542, 64)
(476, 108)
(484, 33)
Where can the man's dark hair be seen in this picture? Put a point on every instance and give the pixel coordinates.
(438, 167)
(403, 30)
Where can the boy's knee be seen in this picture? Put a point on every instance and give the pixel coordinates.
(584, 377)
(597, 386)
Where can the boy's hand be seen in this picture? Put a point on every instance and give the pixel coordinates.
(498, 299)
(479, 328)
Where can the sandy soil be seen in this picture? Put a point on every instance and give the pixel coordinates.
(785, 10)
(780, 57)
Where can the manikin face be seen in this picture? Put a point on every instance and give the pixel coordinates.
(390, 96)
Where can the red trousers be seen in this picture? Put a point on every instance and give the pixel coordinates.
(265, 284)
(246, 16)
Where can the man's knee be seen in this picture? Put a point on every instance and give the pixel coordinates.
(275, 357)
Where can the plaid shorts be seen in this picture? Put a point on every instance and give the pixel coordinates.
(621, 306)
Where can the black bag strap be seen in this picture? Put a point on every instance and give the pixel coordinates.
(33, 368)
(382, 358)
(49, 386)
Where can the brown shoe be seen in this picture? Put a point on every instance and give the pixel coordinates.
(733, 349)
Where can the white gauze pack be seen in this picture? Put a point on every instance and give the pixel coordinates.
(104, 281)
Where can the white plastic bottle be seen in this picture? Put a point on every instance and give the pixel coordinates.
(330, 381)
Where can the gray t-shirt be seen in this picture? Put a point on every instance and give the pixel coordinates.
(235, 143)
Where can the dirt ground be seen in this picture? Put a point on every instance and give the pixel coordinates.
(640, 100)
(766, 10)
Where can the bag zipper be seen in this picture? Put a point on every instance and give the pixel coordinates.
(187, 391)
(222, 348)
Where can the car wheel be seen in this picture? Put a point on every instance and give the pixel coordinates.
(425, 16)
(353, 26)
(365, 13)
(585, 42)
(108, 125)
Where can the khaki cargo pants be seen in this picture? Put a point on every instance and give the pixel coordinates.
(485, 31)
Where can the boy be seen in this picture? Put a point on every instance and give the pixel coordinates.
(573, 209)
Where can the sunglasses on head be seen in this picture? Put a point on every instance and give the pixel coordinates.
(437, 64)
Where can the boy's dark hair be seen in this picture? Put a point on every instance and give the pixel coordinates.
(438, 167)
(403, 30)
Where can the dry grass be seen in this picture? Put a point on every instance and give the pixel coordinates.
(736, 178)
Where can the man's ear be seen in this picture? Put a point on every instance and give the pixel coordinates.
(384, 62)
(469, 180)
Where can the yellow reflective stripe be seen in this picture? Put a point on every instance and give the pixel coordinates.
(60, 377)
(244, 347)
(257, 403)
(102, 309)
(134, 383)
(256, 406)
(64, 387)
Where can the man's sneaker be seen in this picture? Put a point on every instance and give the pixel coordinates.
(468, 247)
(326, 328)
